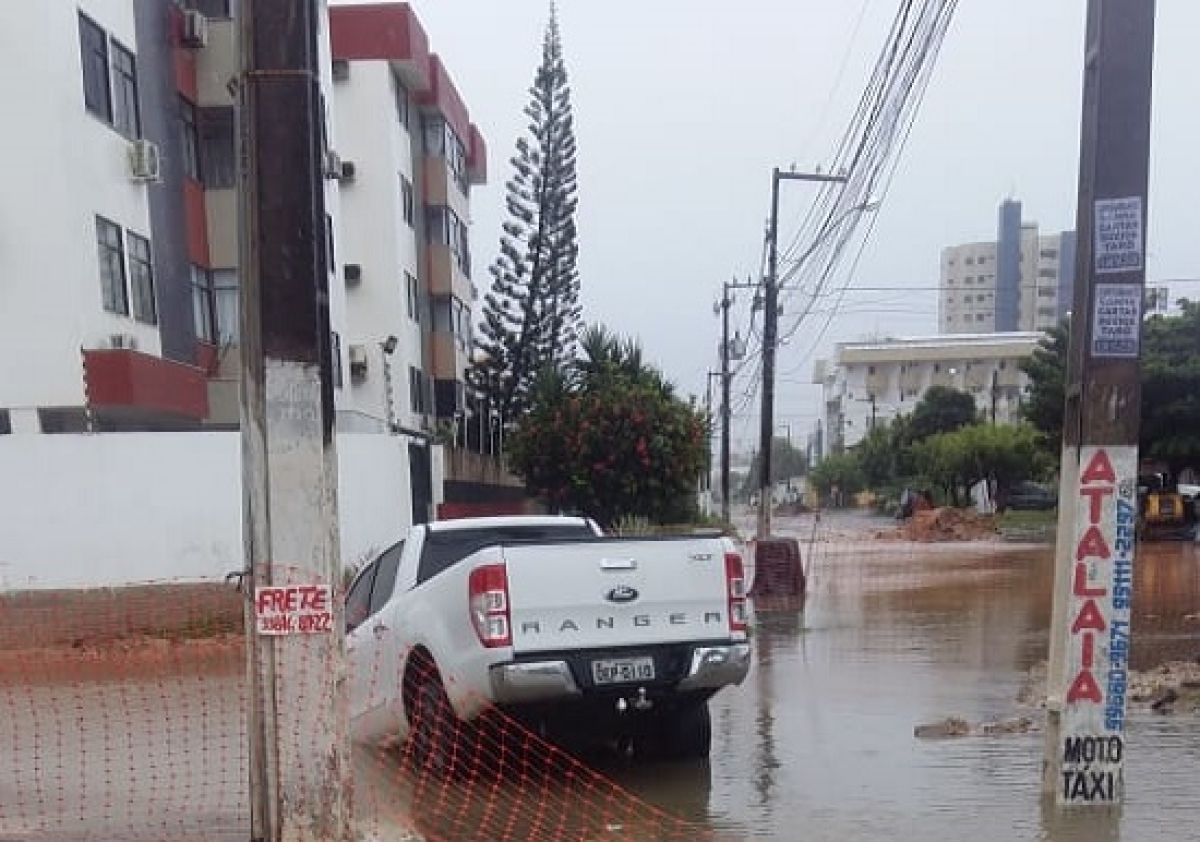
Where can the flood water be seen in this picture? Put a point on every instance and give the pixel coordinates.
(819, 745)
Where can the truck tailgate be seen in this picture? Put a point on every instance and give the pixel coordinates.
(598, 595)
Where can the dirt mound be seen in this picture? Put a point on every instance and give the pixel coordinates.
(944, 525)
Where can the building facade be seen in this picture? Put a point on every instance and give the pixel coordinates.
(119, 300)
(410, 155)
(870, 383)
(1021, 281)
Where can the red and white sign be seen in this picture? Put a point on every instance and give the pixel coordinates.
(294, 609)
(1097, 655)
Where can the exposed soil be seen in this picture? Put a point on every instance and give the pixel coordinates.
(109, 659)
(943, 524)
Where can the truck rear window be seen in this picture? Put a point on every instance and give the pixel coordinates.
(442, 550)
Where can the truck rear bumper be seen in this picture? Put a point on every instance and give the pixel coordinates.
(714, 667)
(711, 667)
(532, 681)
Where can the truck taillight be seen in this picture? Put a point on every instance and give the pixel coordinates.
(735, 583)
(488, 587)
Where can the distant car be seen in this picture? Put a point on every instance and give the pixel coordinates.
(1030, 497)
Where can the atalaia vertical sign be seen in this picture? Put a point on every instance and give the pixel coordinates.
(1097, 659)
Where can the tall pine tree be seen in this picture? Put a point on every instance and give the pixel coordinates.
(531, 316)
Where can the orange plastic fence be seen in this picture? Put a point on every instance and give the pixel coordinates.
(123, 715)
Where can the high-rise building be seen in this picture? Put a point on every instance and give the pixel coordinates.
(1021, 281)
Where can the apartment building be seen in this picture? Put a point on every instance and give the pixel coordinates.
(1021, 281)
(869, 383)
(119, 298)
(410, 155)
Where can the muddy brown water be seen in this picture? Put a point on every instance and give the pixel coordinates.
(816, 745)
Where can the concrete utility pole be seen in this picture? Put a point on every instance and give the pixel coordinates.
(727, 354)
(299, 747)
(770, 337)
(1089, 635)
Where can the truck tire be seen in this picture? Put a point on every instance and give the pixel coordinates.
(437, 738)
(688, 734)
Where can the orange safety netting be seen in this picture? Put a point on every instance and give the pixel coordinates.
(125, 713)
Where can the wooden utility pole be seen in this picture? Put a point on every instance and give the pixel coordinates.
(299, 747)
(1093, 583)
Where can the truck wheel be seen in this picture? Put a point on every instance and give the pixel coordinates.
(688, 734)
(436, 731)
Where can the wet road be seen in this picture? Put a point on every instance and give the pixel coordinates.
(819, 743)
(816, 745)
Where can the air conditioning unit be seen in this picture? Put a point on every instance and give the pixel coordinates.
(123, 342)
(144, 161)
(347, 171)
(341, 70)
(333, 164)
(358, 361)
(352, 273)
(195, 29)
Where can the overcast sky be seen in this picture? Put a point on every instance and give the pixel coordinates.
(682, 107)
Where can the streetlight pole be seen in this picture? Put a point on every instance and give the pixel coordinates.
(771, 331)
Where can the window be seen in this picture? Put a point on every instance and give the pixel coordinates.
(126, 118)
(443, 227)
(414, 297)
(416, 390)
(190, 139)
(1047, 292)
(329, 243)
(219, 9)
(979, 317)
(1050, 253)
(403, 103)
(93, 50)
(443, 315)
(5, 423)
(358, 601)
(203, 309)
(434, 135)
(442, 550)
(141, 279)
(112, 266)
(385, 579)
(970, 261)
(335, 353)
(440, 141)
(225, 305)
(215, 305)
(1047, 273)
(218, 161)
(408, 203)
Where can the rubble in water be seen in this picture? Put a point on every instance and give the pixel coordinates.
(1173, 687)
(953, 726)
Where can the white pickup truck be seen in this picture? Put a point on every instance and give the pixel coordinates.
(573, 633)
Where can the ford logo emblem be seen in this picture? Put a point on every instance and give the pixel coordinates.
(622, 593)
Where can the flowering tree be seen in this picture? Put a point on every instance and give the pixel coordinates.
(608, 438)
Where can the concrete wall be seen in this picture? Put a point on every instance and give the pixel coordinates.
(110, 510)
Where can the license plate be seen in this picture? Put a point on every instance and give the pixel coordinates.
(622, 670)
